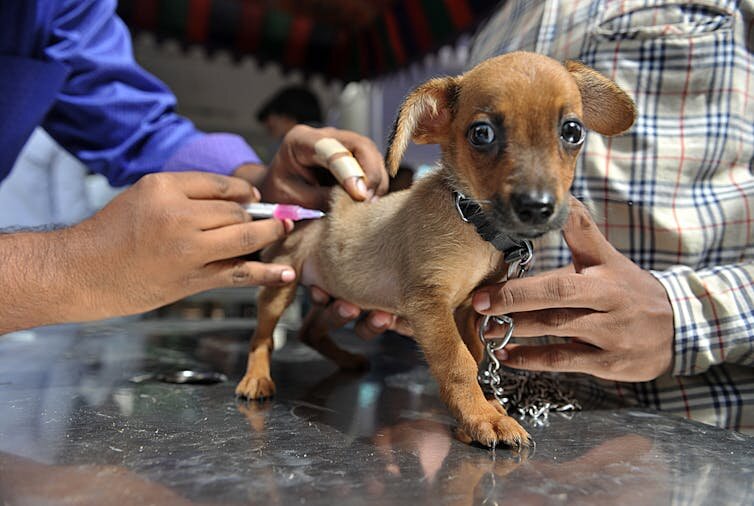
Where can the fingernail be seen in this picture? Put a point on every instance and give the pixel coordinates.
(287, 275)
(380, 320)
(481, 301)
(502, 355)
(255, 194)
(346, 312)
(362, 187)
(374, 199)
(288, 226)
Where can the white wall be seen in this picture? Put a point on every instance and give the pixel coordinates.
(220, 94)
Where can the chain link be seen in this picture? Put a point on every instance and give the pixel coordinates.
(532, 394)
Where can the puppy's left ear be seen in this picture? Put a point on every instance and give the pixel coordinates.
(424, 117)
(607, 108)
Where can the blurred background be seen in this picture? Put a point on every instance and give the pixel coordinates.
(225, 58)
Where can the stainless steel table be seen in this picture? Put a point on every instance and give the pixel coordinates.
(74, 429)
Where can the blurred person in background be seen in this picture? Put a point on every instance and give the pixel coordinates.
(287, 108)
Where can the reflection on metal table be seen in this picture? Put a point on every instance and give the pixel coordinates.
(76, 429)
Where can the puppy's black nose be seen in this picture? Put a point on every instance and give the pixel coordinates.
(533, 208)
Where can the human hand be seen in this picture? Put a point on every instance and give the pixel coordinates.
(168, 236)
(339, 312)
(617, 315)
(293, 175)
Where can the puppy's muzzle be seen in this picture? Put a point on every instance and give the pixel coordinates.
(533, 208)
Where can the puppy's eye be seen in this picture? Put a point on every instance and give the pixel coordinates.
(572, 133)
(481, 134)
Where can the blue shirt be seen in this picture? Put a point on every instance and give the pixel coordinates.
(68, 66)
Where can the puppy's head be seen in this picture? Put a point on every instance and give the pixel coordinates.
(510, 130)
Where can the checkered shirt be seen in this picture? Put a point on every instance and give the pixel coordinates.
(676, 193)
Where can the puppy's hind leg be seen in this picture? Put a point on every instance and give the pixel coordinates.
(314, 332)
(271, 302)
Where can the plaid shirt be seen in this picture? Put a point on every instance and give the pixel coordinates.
(676, 193)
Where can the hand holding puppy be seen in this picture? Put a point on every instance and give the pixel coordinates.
(338, 313)
(292, 176)
(618, 315)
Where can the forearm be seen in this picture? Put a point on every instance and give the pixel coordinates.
(112, 93)
(713, 312)
(61, 276)
(37, 284)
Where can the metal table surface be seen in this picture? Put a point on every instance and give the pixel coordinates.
(75, 430)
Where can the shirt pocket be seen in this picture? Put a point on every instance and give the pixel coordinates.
(650, 19)
(681, 162)
(680, 63)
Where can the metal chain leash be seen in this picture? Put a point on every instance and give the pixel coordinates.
(531, 394)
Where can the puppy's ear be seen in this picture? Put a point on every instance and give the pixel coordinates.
(607, 108)
(424, 117)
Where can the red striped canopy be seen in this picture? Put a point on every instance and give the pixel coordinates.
(347, 40)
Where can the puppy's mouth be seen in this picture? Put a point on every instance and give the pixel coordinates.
(501, 214)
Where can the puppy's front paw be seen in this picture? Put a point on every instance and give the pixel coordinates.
(252, 387)
(492, 427)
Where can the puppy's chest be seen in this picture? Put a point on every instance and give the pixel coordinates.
(479, 267)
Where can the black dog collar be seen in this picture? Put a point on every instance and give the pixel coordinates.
(471, 212)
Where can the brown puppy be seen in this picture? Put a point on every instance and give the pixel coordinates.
(510, 130)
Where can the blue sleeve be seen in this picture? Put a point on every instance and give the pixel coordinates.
(111, 114)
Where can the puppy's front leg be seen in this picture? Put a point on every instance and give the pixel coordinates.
(455, 369)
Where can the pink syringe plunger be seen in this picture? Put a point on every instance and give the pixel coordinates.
(261, 210)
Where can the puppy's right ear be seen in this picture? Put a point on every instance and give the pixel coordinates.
(424, 117)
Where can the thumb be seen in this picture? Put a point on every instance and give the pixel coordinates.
(587, 244)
